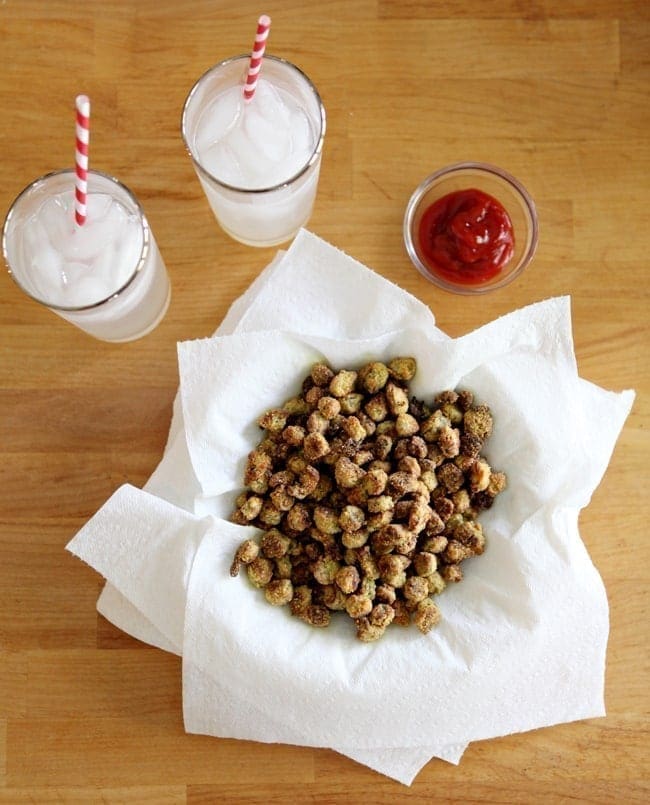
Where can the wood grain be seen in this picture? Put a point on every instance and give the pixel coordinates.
(557, 93)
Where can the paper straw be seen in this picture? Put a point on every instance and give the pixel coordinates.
(255, 65)
(82, 131)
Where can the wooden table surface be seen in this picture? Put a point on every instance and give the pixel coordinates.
(556, 93)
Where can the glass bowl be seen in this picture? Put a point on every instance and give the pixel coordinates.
(493, 181)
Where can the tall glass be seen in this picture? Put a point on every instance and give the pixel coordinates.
(255, 211)
(106, 277)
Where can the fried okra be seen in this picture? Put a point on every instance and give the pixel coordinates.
(367, 497)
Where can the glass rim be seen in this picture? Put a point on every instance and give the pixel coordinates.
(482, 167)
(254, 190)
(144, 252)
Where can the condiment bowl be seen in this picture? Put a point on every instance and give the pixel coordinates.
(502, 187)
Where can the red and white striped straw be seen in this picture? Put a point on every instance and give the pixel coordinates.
(82, 138)
(255, 65)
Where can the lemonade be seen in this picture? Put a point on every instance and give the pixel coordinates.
(258, 161)
(258, 144)
(106, 276)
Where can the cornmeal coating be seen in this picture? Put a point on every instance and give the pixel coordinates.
(283, 568)
(385, 594)
(402, 483)
(367, 564)
(260, 571)
(274, 544)
(452, 573)
(402, 368)
(354, 429)
(427, 615)
(317, 423)
(352, 518)
(355, 539)
(279, 592)
(251, 508)
(396, 399)
(358, 605)
(435, 583)
(325, 569)
(374, 481)
(315, 446)
(367, 631)
(448, 441)
(419, 514)
(326, 519)
(321, 374)
(433, 425)
(406, 425)
(351, 403)
(258, 471)
(273, 420)
(298, 518)
(281, 499)
(479, 476)
(416, 589)
(478, 421)
(391, 570)
(380, 503)
(347, 473)
(382, 615)
(347, 579)
(455, 552)
(367, 497)
(316, 615)
(342, 383)
(450, 477)
(313, 395)
(402, 615)
(245, 554)
(373, 377)
(497, 483)
(377, 407)
(329, 407)
(425, 563)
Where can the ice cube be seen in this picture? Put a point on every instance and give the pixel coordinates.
(270, 138)
(220, 161)
(97, 233)
(271, 103)
(259, 148)
(117, 230)
(59, 287)
(250, 161)
(86, 241)
(98, 206)
(302, 136)
(125, 255)
(87, 289)
(56, 215)
(33, 236)
(218, 118)
(74, 273)
(45, 277)
(47, 261)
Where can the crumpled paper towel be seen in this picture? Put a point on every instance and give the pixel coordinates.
(523, 637)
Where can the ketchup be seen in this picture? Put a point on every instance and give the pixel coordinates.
(466, 237)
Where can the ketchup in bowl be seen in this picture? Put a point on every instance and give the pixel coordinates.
(470, 228)
(466, 237)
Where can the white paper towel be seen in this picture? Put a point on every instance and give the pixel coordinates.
(532, 605)
(522, 641)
